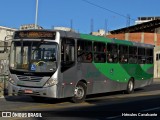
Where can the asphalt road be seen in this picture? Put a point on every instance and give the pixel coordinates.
(142, 104)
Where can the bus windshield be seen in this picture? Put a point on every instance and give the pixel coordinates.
(33, 56)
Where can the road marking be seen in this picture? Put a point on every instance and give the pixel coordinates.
(151, 109)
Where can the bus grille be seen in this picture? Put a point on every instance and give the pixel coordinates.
(29, 78)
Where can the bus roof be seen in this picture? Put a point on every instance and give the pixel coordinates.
(70, 34)
(113, 40)
(102, 39)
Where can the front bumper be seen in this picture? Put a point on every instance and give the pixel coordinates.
(50, 92)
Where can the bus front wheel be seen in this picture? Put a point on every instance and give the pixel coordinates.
(79, 93)
(130, 86)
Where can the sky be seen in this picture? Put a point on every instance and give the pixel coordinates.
(86, 15)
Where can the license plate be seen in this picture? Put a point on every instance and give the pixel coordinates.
(28, 91)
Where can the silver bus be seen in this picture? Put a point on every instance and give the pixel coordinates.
(60, 64)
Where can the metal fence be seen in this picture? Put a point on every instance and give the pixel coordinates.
(3, 76)
(4, 62)
(3, 85)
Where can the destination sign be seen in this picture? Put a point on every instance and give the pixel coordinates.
(35, 35)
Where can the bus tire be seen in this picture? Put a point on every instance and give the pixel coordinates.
(79, 93)
(130, 86)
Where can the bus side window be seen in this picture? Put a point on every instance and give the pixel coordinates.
(141, 55)
(84, 51)
(123, 54)
(112, 53)
(132, 55)
(99, 52)
(67, 53)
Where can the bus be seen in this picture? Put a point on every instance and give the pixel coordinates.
(65, 64)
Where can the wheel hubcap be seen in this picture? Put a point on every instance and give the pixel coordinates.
(79, 92)
(130, 86)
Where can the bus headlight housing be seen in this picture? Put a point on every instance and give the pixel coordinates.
(51, 82)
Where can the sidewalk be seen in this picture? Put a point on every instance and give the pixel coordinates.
(3, 85)
(2, 94)
(1, 89)
(156, 79)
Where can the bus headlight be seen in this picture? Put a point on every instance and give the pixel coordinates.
(51, 82)
(11, 80)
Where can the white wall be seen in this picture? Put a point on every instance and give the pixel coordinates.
(156, 62)
(4, 31)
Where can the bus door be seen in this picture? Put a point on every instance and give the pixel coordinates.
(68, 67)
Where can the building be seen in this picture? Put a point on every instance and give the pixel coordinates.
(64, 29)
(5, 31)
(145, 19)
(100, 32)
(5, 38)
(146, 32)
(5, 42)
(30, 26)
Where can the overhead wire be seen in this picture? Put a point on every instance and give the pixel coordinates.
(106, 9)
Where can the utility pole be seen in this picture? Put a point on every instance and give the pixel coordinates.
(105, 26)
(36, 16)
(128, 20)
(71, 24)
(92, 25)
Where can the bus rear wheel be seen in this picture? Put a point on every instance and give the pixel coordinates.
(130, 86)
(79, 93)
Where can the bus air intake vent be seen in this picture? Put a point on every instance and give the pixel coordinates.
(29, 78)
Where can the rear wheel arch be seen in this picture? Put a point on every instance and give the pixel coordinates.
(84, 81)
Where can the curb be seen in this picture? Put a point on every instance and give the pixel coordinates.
(156, 79)
(1, 96)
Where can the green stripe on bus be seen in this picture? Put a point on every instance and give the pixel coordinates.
(120, 72)
(95, 38)
(123, 72)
